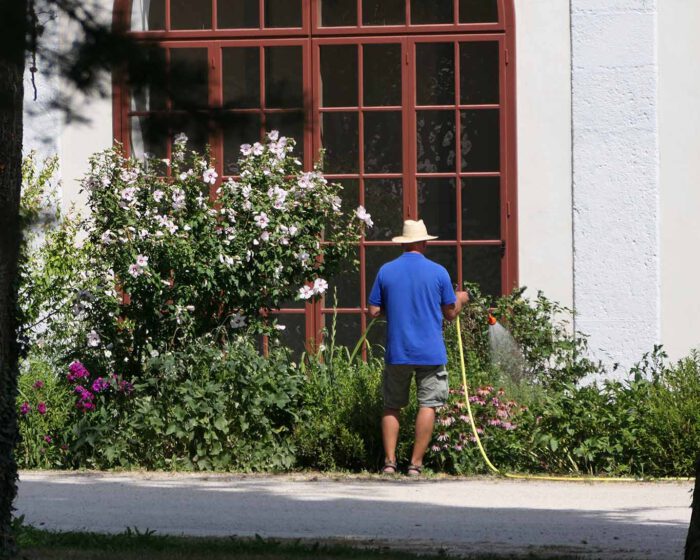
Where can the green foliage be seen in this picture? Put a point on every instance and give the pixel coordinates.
(340, 428)
(201, 408)
(44, 406)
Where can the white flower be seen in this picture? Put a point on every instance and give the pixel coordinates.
(183, 176)
(210, 176)
(336, 203)
(134, 270)
(265, 236)
(158, 195)
(261, 220)
(225, 259)
(237, 321)
(93, 339)
(248, 255)
(144, 234)
(303, 256)
(245, 191)
(142, 261)
(293, 230)
(181, 138)
(178, 199)
(258, 149)
(106, 237)
(362, 214)
(305, 182)
(190, 308)
(247, 205)
(166, 161)
(320, 286)
(246, 149)
(306, 292)
(280, 327)
(128, 194)
(273, 135)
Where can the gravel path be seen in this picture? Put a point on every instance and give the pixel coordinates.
(622, 521)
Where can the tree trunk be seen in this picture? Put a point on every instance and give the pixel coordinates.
(13, 25)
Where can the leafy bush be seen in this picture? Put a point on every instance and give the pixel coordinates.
(201, 408)
(341, 426)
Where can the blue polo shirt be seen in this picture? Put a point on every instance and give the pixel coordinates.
(411, 291)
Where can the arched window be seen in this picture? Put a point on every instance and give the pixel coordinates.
(412, 100)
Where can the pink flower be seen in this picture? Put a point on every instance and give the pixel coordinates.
(41, 408)
(38, 384)
(77, 371)
(435, 448)
(48, 439)
(443, 436)
(25, 408)
(100, 385)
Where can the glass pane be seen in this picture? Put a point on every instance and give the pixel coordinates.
(480, 140)
(382, 69)
(148, 136)
(283, 77)
(338, 76)
(234, 14)
(447, 257)
(290, 125)
(383, 12)
(151, 95)
(344, 286)
(147, 15)
(375, 257)
(376, 337)
(239, 128)
(190, 14)
(241, 77)
(435, 141)
(478, 72)
(384, 201)
(338, 13)
(482, 265)
(476, 11)
(282, 13)
(437, 207)
(189, 69)
(350, 199)
(435, 73)
(340, 138)
(196, 129)
(382, 142)
(481, 208)
(347, 329)
(431, 11)
(294, 334)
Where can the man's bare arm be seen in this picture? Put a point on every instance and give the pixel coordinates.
(374, 311)
(450, 312)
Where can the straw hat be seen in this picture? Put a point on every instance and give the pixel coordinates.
(413, 232)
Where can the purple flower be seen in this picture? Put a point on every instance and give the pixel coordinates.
(38, 384)
(48, 439)
(25, 408)
(41, 408)
(100, 385)
(77, 371)
(126, 387)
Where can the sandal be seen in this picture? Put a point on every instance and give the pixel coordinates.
(389, 467)
(414, 470)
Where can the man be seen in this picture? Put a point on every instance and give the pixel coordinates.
(415, 294)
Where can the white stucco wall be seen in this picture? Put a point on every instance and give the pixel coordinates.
(544, 147)
(679, 133)
(616, 176)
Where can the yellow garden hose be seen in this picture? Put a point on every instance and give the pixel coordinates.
(523, 476)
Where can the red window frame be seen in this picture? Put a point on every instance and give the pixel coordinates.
(311, 36)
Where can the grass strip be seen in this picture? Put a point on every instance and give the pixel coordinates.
(37, 544)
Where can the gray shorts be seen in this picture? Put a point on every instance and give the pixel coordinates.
(431, 385)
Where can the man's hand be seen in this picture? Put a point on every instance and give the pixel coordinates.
(463, 297)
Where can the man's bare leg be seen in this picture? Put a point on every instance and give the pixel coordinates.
(390, 433)
(425, 420)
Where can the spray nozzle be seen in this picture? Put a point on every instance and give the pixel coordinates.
(492, 320)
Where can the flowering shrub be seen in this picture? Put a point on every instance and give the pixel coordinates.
(189, 263)
(454, 446)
